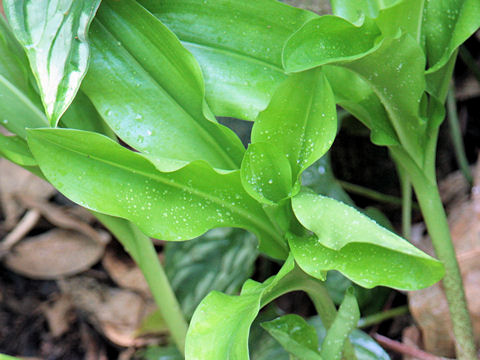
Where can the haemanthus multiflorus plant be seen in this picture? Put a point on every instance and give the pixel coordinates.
(156, 73)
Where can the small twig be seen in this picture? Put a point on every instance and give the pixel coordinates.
(23, 227)
(405, 349)
(382, 316)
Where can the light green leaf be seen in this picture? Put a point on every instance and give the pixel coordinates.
(220, 260)
(300, 121)
(174, 206)
(296, 336)
(294, 131)
(16, 150)
(136, 68)
(266, 174)
(353, 10)
(329, 39)
(365, 347)
(348, 241)
(221, 323)
(54, 35)
(447, 24)
(238, 45)
(345, 321)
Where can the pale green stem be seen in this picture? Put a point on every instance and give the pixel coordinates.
(406, 188)
(143, 252)
(456, 136)
(382, 316)
(437, 225)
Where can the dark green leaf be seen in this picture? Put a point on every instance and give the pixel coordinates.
(54, 35)
(161, 353)
(220, 260)
(238, 45)
(136, 68)
(447, 24)
(175, 205)
(345, 321)
(348, 241)
(296, 336)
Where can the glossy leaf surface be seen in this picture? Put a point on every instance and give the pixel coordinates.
(348, 241)
(345, 321)
(19, 104)
(238, 45)
(221, 323)
(177, 205)
(136, 66)
(296, 336)
(447, 24)
(294, 131)
(329, 39)
(16, 150)
(220, 260)
(54, 34)
(365, 347)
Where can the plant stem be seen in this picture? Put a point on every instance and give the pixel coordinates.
(406, 188)
(456, 136)
(371, 194)
(437, 225)
(143, 252)
(382, 316)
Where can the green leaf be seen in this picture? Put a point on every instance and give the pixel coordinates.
(348, 241)
(221, 323)
(161, 353)
(296, 336)
(238, 45)
(16, 150)
(266, 175)
(329, 39)
(345, 321)
(220, 260)
(174, 206)
(300, 121)
(447, 24)
(365, 347)
(54, 35)
(149, 89)
(18, 100)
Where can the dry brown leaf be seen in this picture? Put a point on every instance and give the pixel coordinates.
(15, 181)
(429, 306)
(411, 336)
(117, 313)
(123, 270)
(59, 315)
(54, 254)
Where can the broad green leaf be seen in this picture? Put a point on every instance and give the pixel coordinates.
(220, 260)
(16, 150)
(295, 130)
(345, 321)
(266, 174)
(329, 39)
(354, 10)
(149, 90)
(221, 323)
(238, 45)
(82, 115)
(348, 241)
(356, 96)
(174, 206)
(296, 336)
(447, 24)
(18, 100)
(365, 347)
(300, 121)
(54, 35)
